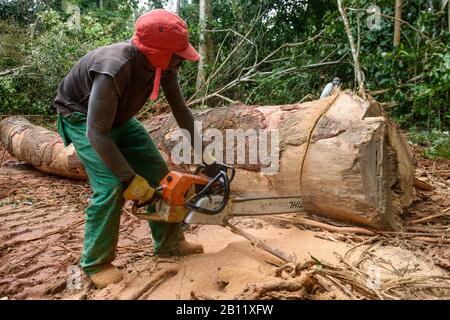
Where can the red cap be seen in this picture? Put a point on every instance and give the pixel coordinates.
(158, 35)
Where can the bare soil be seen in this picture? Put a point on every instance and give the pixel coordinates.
(41, 237)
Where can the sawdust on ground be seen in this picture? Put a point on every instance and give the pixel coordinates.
(41, 233)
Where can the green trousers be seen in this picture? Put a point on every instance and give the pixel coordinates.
(103, 213)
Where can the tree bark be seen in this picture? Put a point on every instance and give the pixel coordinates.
(355, 52)
(205, 42)
(40, 147)
(342, 155)
(444, 3)
(178, 6)
(397, 23)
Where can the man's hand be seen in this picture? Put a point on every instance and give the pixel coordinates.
(138, 190)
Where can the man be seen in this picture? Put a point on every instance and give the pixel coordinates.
(328, 90)
(96, 103)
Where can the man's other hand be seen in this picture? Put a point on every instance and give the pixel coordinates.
(138, 190)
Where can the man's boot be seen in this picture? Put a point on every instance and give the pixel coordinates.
(183, 248)
(107, 275)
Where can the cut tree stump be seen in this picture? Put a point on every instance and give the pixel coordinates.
(342, 155)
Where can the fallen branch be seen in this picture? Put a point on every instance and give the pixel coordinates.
(154, 282)
(441, 263)
(431, 217)
(260, 244)
(330, 286)
(299, 289)
(248, 77)
(396, 19)
(440, 240)
(325, 226)
(9, 71)
(195, 296)
(421, 185)
(60, 230)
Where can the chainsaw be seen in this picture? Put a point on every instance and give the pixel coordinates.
(194, 198)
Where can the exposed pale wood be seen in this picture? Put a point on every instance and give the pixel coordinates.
(358, 167)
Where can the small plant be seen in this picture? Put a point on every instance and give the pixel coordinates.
(436, 143)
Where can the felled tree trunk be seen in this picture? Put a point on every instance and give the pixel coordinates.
(342, 155)
(42, 148)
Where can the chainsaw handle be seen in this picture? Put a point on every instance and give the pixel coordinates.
(224, 168)
(225, 183)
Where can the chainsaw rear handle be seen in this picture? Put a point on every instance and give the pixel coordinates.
(223, 180)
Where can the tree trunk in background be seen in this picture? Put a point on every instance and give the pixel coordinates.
(355, 52)
(205, 42)
(397, 23)
(177, 7)
(208, 35)
(446, 3)
(342, 155)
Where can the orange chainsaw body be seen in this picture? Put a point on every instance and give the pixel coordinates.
(176, 187)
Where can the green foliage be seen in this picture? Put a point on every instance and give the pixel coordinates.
(48, 50)
(25, 12)
(436, 143)
(40, 49)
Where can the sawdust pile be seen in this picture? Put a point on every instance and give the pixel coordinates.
(41, 233)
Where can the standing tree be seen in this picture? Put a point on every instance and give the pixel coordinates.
(355, 53)
(205, 42)
(177, 6)
(397, 24)
(444, 3)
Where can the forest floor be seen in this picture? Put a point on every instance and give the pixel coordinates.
(41, 236)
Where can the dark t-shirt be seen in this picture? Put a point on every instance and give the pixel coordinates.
(132, 74)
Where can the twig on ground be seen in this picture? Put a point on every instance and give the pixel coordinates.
(431, 217)
(15, 242)
(325, 226)
(260, 244)
(154, 282)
